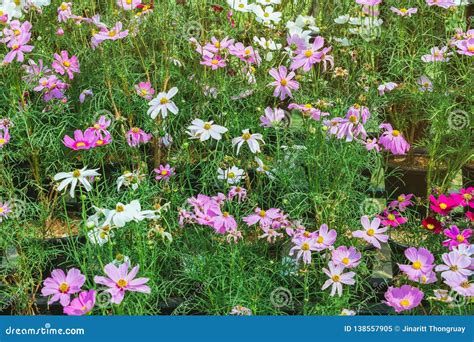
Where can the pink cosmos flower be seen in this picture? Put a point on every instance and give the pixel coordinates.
(64, 12)
(422, 263)
(33, 70)
(216, 45)
(369, 2)
(105, 34)
(392, 140)
(4, 137)
(392, 218)
(403, 298)
(402, 202)
(18, 47)
(464, 198)
(237, 191)
(60, 286)
(215, 62)
(443, 205)
(385, 87)
(81, 305)
(271, 234)
(264, 217)
(145, 90)
(283, 82)
(15, 29)
(352, 126)
(337, 278)
(456, 237)
(308, 110)
(460, 285)
(371, 233)
(425, 84)
(441, 3)
(371, 144)
(437, 55)
(455, 266)
(346, 257)
(309, 56)
(245, 53)
(4, 210)
(404, 12)
(81, 141)
(63, 64)
(99, 129)
(164, 172)
(304, 246)
(295, 44)
(223, 222)
(128, 5)
(466, 47)
(60, 31)
(272, 117)
(52, 86)
(83, 94)
(324, 237)
(120, 280)
(136, 136)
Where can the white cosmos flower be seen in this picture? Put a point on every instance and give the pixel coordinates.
(204, 130)
(267, 44)
(269, 2)
(342, 19)
(240, 5)
(162, 104)
(266, 15)
(125, 213)
(232, 175)
(74, 177)
(132, 179)
(250, 139)
(263, 168)
(100, 235)
(9, 8)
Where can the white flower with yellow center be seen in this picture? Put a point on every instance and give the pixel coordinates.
(162, 104)
(232, 175)
(252, 141)
(74, 177)
(240, 5)
(204, 130)
(267, 15)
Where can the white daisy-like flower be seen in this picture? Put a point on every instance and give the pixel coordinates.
(162, 104)
(263, 168)
(100, 235)
(9, 8)
(342, 19)
(267, 15)
(240, 5)
(232, 175)
(74, 177)
(252, 141)
(269, 2)
(130, 179)
(204, 130)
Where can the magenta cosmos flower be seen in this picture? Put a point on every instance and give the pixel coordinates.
(283, 82)
(223, 222)
(403, 298)
(237, 191)
(422, 263)
(337, 278)
(264, 217)
(347, 257)
(136, 136)
(443, 205)
(81, 141)
(63, 64)
(392, 140)
(120, 280)
(392, 218)
(402, 202)
(81, 305)
(164, 172)
(145, 90)
(371, 233)
(464, 198)
(456, 237)
(105, 34)
(425, 84)
(369, 2)
(64, 11)
(404, 12)
(60, 286)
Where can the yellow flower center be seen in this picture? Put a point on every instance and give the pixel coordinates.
(164, 172)
(417, 265)
(164, 100)
(217, 45)
(67, 64)
(16, 32)
(246, 136)
(430, 226)
(405, 303)
(63, 287)
(231, 175)
(403, 10)
(395, 133)
(391, 217)
(207, 126)
(99, 142)
(129, 2)
(135, 130)
(320, 239)
(470, 48)
(225, 214)
(76, 173)
(119, 208)
(15, 46)
(241, 5)
(247, 51)
(353, 118)
(370, 232)
(122, 283)
(266, 15)
(80, 144)
(308, 106)
(262, 213)
(460, 238)
(443, 205)
(63, 6)
(112, 33)
(454, 268)
(465, 284)
(308, 53)
(1, 210)
(401, 198)
(467, 197)
(307, 234)
(345, 261)
(2, 141)
(215, 62)
(283, 82)
(305, 246)
(335, 278)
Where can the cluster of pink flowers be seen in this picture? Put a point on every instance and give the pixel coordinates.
(16, 36)
(270, 221)
(306, 242)
(351, 126)
(94, 136)
(305, 56)
(61, 286)
(464, 42)
(308, 110)
(136, 136)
